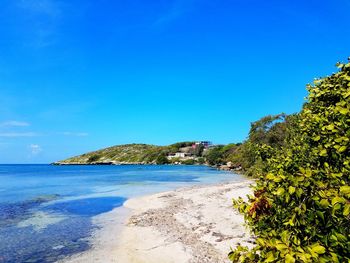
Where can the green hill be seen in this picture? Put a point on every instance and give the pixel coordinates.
(127, 154)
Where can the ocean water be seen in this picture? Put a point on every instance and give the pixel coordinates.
(46, 212)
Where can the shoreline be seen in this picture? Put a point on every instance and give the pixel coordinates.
(190, 224)
(223, 167)
(220, 167)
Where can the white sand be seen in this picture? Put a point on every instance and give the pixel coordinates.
(196, 224)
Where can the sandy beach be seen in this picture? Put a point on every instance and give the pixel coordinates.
(196, 224)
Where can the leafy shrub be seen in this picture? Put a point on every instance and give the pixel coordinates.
(300, 211)
(272, 131)
(188, 162)
(215, 156)
(200, 160)
(162, 159)
(93, 158)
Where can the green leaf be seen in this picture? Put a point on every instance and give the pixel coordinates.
(280, 191)
(289, 259)
(345, 189)
(341, 237)
(340, 139)
(330, 127)
(320, 214)
(337, 199)
(291, 189)
(308, 172)
(334, 258)
(346, 210)
(281, 247)
(342, 149)
(324, 203)
(285, 236)
(317, 138)
(260, 241)
(323, 152)
(318, 249)
(270, 257)
(322, 194)
(343, 111)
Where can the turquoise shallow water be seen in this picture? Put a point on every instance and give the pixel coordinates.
(46, 211)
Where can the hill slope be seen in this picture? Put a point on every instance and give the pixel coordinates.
(126, 154)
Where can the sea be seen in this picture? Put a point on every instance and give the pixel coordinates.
(47, 211)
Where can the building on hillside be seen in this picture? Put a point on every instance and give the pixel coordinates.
(206, 144)
(179, 155)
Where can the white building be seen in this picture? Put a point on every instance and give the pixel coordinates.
(178, 155)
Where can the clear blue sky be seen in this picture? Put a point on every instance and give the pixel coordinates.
(79, 75)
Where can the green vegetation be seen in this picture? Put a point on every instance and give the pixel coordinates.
(201, 160)
(176, 146)
(129, 153)
(189, 162)
(271, 131)
(93, 158)
(198, 151)
(137, 153)
(300, 211)
(162, 159)
(215, 156)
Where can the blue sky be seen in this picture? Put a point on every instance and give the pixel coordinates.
(80, 75)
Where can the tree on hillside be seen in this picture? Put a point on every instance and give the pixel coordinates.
(215, 156)
(270, 131)
(93, 158)
(268, 127)
(198, 150)
(162, 159)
